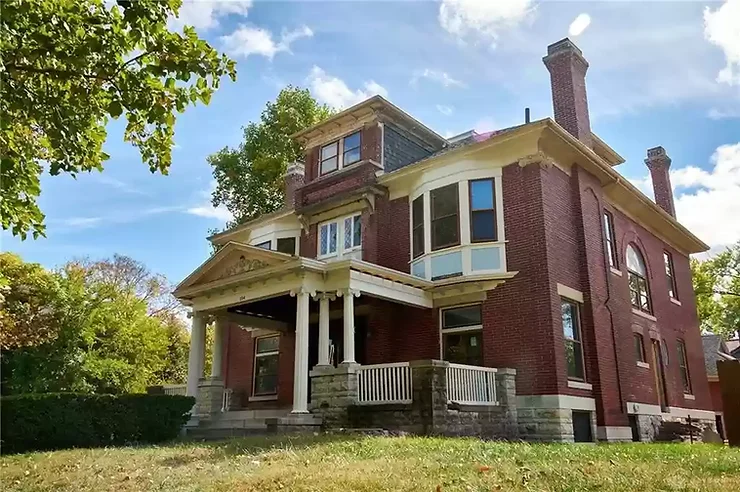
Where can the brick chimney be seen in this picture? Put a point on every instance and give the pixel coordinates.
(659, 163)
(293, 180)
(567, 68)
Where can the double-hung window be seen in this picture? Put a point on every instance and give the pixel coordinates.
(445, 217)
(482, 211)
(669, 275)
(266, 355)
(342, 153)
(573, 342)
(417, 226)
(462, 330)
(611, 246)
(339, 236)
(683, 366)
(637, 276)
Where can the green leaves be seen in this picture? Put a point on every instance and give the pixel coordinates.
(717, 288)
(249, 179)
(70, 65)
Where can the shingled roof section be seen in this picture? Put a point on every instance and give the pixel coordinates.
(714, 349)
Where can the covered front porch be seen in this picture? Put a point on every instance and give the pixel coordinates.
(348, 318)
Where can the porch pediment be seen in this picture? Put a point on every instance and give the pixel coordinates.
(232, 259)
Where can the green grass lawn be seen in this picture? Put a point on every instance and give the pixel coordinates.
(346, 463)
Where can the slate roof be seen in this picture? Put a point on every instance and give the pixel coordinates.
(714, 349)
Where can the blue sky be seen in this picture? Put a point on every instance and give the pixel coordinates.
(661, 73)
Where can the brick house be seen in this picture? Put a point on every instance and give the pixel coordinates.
(510, 283)
(716, 349)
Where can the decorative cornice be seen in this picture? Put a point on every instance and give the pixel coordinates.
(544, 160)
(243, 265)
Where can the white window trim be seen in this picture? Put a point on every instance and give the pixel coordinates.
(340, 152)
(341, 250)
(579, 312)
(254, 365)
(352, 234)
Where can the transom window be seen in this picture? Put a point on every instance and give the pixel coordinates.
(445, 217)
(669, 275)
(340, 236)
(266, 358)
(482, 211)
(462, 335)
(417, 226)
(611, 246)
(637, 273)
(683, 366)
(570, 313)
(639, 347)
(342, 153)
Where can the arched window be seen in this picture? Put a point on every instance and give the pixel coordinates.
(637, 274)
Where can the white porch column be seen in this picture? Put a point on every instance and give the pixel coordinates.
(300, 361)
(219, 335)
(196, 358)
(324, 328)
(349, 325)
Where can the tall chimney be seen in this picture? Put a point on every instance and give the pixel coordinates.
(293, 180)
(567, 68)
(659, 163)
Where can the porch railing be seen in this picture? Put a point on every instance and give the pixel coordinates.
(471, 385)
(175, 389)
(384, 383)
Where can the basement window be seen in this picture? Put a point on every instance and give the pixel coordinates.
(266, 358)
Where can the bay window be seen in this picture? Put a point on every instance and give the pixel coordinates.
(266, 356)
(328, 239)
(445, 217)
(417, 226)
(352, 232)
(286, 245)
(637, 276)
(482, 211)
(573, 342)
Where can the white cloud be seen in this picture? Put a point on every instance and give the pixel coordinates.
(723, 114)
(436, 76)
(579, 25)
(445, 110)
(722, 27)
(81, 222)
(246, 40)
(484, 19)
(211, 212)
(707, 201)
(204, 14)
(334, 91)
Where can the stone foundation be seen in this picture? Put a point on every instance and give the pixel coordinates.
(549, 418)
(333, 391)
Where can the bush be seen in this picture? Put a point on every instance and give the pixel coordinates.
(67, 420)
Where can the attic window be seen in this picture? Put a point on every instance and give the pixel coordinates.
(342, 153)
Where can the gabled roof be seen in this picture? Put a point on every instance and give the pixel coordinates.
(715, 349)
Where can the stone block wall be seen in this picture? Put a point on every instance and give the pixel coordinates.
(333, 390)
(210, 397)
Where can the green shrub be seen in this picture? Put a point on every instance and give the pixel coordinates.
(67, 420)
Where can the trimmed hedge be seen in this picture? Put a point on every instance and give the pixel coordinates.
(68, 420)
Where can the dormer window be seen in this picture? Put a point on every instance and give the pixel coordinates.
(342, 153)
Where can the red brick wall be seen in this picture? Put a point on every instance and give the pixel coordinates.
(385, 239)
(399, 333)
(238, 371)
(309, 242)
(371, 138)
(716, 393)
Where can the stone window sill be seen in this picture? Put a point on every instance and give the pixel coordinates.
(263, 398)
(688, 397)
(643, 364)
(580, 385)
(675, 301)
(615, 271)
(644, 315)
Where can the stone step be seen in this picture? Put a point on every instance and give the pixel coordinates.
(256, 424)
(220, 434)
(262, 413)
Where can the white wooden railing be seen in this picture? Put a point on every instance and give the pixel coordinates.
(471, 385)
(175, 389)
(384, 383)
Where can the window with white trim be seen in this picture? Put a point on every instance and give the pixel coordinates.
(340, 236)
(341, 153)
(266, 358)
(462, 335)
(571, 318)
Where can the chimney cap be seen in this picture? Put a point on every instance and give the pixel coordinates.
(564, 47)
(656, 156)
(295, 168)
(658, 151)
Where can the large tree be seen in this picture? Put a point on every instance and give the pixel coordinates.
(717, 288)
(67, 67)
(249, 178)
(100, 334)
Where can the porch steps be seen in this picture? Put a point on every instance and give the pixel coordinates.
(237, 423)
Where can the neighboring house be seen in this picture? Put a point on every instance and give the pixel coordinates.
(716, 349)
(522, 248)
(733, 347)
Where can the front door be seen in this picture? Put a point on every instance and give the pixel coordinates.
(659, 374)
